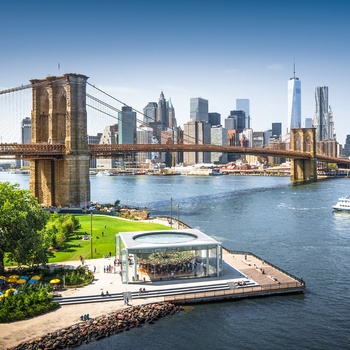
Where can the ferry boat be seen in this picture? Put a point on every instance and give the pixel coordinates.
(342, 205)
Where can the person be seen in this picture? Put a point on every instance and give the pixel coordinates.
(103, 234)
(102, 294)
(144, 290)
(94, 268)
(107, 294)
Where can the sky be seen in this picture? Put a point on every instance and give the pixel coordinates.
(217, 50)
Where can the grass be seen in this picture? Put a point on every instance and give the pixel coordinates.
(101, 243)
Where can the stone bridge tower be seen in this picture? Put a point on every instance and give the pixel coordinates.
(304, 140)
(59, 116)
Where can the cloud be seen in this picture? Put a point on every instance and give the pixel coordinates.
(231, 71)
(274, 66)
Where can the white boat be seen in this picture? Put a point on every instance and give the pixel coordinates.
(342, 205)
(104, 173)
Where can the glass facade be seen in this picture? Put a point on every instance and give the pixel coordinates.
(158, 255)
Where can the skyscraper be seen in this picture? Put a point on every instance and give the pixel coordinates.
(294, 103)
(321, 121)
(26, 137)
(126, 126)
(199, 109)
(243, 104)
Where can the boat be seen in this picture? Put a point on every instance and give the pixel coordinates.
(104, 173)
(342, 205)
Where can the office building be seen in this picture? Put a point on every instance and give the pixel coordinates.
(108, 137)
(321, 121)
(294, 103)
(196, 133)
(346, 149)
(243, 104)
(308, 123)
(276, 130)
(240, 119)
(126, 126)
(218, 137)
(26, 137)
(94, 140)
(150, 113)
(199, 109)
(214, 118)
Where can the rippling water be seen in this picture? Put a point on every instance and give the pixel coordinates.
(293, 227)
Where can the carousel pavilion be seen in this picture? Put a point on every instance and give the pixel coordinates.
(166, 255)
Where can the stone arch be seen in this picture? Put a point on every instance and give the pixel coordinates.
(303, 140)
(59, 116)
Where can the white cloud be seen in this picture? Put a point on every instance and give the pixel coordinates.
(274, 66)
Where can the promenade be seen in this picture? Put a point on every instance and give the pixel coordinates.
(244, 275)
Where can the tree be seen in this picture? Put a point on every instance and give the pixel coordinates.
(21, 221)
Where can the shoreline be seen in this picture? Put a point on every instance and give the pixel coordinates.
(96, 328)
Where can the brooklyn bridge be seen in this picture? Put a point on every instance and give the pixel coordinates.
(59, 152)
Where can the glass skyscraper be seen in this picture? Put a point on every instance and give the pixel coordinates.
(321, 121)
(242, 104)
(294, 103)
(199, 110)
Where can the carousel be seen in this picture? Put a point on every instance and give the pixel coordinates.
(167, 255)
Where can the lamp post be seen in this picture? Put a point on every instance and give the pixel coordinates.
(91, 234)
(171, 212)
(178, 217)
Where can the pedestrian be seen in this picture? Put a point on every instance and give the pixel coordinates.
(103, 234)
(94, 269)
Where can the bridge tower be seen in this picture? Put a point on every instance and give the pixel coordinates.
(59, 117)
(304, 140)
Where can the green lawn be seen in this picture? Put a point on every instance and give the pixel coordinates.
(101, 244)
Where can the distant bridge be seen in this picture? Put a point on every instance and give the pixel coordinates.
(59, 152)
(32, 151)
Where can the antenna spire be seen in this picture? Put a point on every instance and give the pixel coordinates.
(294, 67)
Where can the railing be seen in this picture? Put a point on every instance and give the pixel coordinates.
(57, 150)
(241, 292)
(300, 280)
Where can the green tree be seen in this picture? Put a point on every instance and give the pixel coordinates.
(21, 221)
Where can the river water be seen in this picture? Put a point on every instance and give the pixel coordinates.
(290, 226)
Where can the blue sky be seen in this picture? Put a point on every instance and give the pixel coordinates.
(217, 50)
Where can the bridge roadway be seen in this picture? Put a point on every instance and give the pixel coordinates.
(34, 151)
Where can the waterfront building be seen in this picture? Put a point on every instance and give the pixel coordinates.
(196, 132)
(161, 255)
(248, 135)
(26, 137)
(218, 137)
(258, 139)
(199, 109)
(294, 103)
(144, 136)
(95, 140)
(214, 118)
(108, 137)
(321, 121)
(243, 104)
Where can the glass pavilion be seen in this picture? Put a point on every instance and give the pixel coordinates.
(166, 255)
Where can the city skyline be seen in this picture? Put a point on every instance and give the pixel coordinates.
(223, 52)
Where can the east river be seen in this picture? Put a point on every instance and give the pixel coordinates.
(290, 226)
